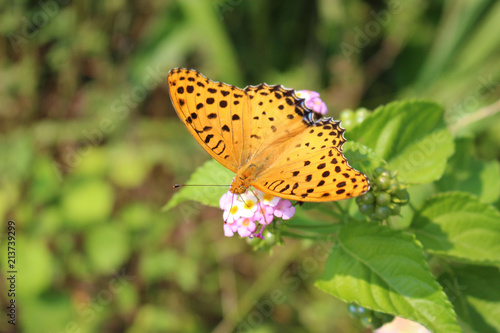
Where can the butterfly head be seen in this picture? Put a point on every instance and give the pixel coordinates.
(237, 189)
(239, 185)
(243, 179)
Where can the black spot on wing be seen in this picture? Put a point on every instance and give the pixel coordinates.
(208, 138)
(285, 188)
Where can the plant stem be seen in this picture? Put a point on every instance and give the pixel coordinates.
(339, 207)
(329, 212)
(412, 207)
(480, 114)
(294, 235)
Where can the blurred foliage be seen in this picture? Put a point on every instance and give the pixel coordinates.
(91, 145)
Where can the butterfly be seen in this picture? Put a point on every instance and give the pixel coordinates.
(268, 137)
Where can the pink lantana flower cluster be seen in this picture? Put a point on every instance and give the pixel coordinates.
(245, 213)
(313, 101)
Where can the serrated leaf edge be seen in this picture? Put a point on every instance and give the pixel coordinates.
(422, 261)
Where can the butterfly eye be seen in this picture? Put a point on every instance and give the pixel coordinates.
(239, 190)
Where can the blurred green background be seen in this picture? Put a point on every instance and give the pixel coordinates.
(90, 147)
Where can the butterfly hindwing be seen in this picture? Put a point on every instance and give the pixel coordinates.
(313, 168)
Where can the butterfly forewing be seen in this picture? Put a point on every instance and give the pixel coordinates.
(215, 113)
(277, 115)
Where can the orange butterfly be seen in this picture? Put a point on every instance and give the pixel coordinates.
(268, 137)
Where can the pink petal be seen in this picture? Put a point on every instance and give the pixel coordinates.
(307, 94)
(228, 231)
(264, 215)
(246, 231)
(317, 105)
(284, 210)
(226, 200)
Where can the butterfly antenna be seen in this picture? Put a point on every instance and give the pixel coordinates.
(242, 200)
(258, 199)
(182, 185)
(262, 211)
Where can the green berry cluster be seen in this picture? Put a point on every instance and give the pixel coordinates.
(350, 118)
(369, 318)
(385, 197)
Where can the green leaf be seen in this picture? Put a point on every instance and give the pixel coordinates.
(475, 295)
(50, 312)
(361, 157)
(159, 265)
(37, 266)
(107, 247)
(212, 33)
(466, 173)
(44, 184)
(385, 270)
(454, 30)
(411, 136)
(87, 202)
(136, 171)
(459, 226)
(210, 173)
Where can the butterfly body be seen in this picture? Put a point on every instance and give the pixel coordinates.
(268, 137)
(244, 179)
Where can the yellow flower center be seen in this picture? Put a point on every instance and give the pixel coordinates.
(249, 204)
(267, 197)
(234, 210)
(245, 222)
